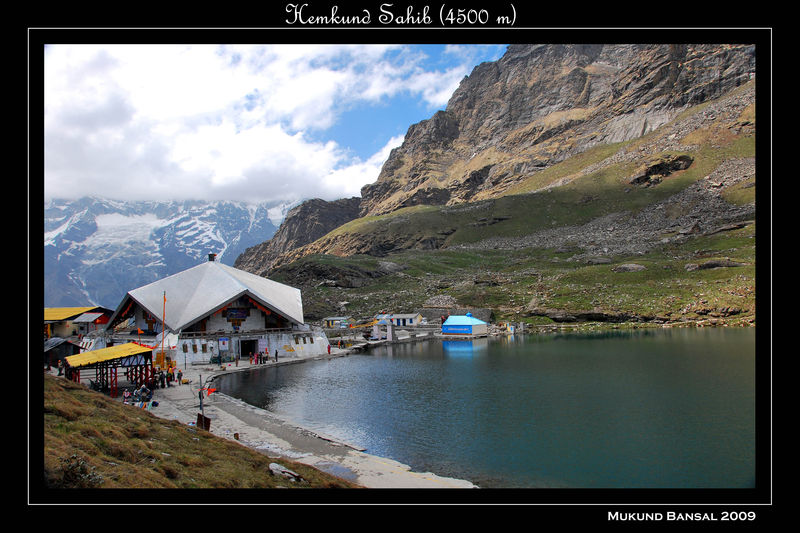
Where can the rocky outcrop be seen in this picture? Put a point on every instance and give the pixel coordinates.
(653, 172)
(699, 209)
(303, 224)
(540, 104)
(560, 315)
(714, 263)
(511, 120)
(348, 276)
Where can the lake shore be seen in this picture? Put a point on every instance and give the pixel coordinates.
(267, 433)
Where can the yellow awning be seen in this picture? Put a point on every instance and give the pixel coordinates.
(63, 313)
(106, 354)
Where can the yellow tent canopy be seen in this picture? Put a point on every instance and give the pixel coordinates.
(64, 313)
(106, 354)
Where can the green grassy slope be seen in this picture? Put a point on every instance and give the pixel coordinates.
(458, 250)
(92, 441)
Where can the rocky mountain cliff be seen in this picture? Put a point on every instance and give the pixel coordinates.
(542, 104)
(537, 120)
(303, 224)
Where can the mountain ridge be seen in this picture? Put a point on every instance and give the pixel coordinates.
(627, 162)
(599, 155)
(96, 249)
(495, 139)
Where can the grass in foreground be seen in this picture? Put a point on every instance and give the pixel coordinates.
(92, 441)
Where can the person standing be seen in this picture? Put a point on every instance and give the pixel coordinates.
(180, 376)
(276, 356)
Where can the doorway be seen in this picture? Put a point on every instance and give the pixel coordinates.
(248, 347)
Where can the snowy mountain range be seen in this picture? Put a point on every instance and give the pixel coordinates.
(96, 250)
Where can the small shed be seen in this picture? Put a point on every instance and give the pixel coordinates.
(59, 321)
(58, 348)
(464, 325)
(337, 321)
(137, 360)
(407, 319)
(89, 322)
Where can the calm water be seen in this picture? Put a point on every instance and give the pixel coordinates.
(660, 409)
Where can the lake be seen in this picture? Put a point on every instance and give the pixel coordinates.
(649, 408)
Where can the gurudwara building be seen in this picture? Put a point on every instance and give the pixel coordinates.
(214, 312)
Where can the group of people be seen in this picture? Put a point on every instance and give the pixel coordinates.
(161, 379)
(141, 394)
(259, 358)
(165, 379)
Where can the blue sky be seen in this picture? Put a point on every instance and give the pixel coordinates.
(247, 123)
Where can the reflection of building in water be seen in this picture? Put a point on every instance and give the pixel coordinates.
(465, 347)
(214, 310)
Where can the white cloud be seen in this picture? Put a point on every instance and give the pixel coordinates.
(347, 182)
(226, 122)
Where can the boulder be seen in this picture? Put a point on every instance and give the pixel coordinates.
(280, 470)
(628, 267)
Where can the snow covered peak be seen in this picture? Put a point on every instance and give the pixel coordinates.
(96, 249)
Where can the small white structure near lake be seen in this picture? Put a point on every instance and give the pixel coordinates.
(406, 319)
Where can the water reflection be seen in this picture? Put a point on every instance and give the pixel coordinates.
(465, 347)
(673, 408)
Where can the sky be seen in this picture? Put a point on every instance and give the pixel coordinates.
(228, 122)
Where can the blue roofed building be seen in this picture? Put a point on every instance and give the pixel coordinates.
(464, 325)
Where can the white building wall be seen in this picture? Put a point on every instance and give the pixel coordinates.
(254, 321)
(191, 350)
(479, 329)
(297, 345)
(288, 345)
(217, 322)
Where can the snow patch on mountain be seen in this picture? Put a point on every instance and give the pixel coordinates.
(116, 228)
(96, 250)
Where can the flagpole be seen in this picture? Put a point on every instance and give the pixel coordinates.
(163, 329)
